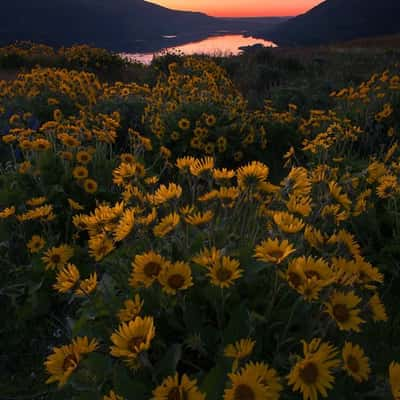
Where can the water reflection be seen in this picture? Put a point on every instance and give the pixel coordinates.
(213, 45)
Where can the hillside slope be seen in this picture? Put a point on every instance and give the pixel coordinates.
(339, 20)
(115, 24)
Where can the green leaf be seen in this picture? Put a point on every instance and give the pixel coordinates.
(253, 268)
(167, 365)
(92, 372)
(79, 327)
(238, 326)
(87, 396)
(130, 387)
(193, 318)
(214, 383)
(99, 365)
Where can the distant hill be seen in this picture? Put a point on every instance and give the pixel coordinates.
(122, 25)
(339, 20)
(115, 24)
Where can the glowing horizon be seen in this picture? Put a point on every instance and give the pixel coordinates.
(238, 8)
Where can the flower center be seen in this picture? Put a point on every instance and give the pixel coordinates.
(223, 274)
(353, 364)
(363, 276)
(152, 269)
(251, 180)
(388, 190)
(308, 292)
(294, 279)
(135, 342)
(277, 254)
(309, 373)
(81, 225)
(69, 362)
(312, 274)
(55, 258)
(341, 312)
(176, 394)
(176, 281)
(244, 392)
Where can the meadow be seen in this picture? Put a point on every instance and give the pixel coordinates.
(200, 228)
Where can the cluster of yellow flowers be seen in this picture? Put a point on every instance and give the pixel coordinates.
(78, 142)
(80, 87)
(343, 286)
(26, 50)
(87, 57)
(56, 87)
(25, 53)
(196, 108)
(375, 87)
(161, 247)
(334, 133)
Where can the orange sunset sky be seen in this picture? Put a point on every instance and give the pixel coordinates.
(242, 8)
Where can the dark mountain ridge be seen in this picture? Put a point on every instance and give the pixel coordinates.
(339, 20)
(120, 25)
(112, 24)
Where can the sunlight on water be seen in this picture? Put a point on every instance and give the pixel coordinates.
(214, 45)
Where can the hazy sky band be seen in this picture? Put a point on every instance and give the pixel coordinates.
(238, 8)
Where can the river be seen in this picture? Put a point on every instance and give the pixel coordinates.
(227, 45)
